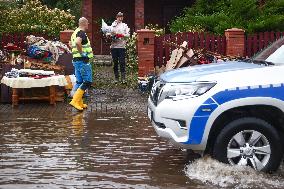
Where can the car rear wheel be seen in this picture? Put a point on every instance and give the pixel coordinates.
(249, 142)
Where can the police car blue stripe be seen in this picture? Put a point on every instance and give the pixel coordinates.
(200, 118)
(209, 101)
(261, 91)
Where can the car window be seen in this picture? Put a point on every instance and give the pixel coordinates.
(277, 57)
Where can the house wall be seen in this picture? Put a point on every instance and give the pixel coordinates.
(155, 12)
(88, 13)
(161, 12)
(107, 9)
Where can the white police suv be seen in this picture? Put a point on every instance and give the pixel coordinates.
(231, 110)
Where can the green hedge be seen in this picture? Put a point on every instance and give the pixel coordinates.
(218, 15)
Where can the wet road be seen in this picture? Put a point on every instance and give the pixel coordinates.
(104, 149)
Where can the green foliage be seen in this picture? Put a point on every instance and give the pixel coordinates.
(73, 6)
(4, 5)
(274, 7)
(215, 16)
(132, 61)
(158, 31)
(35, 17)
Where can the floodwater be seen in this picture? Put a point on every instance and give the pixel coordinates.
(118, 149)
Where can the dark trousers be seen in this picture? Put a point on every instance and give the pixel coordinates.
(118, 57)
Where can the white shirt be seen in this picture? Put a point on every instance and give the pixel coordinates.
(120, 28)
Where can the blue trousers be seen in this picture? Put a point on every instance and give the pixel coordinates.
(83, 74)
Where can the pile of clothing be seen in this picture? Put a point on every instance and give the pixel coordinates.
(40, 48)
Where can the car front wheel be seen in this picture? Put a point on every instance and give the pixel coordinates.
(249, 142)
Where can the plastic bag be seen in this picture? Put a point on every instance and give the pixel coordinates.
(106, 29)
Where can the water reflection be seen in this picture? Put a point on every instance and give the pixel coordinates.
(92, 150)
(78, 123)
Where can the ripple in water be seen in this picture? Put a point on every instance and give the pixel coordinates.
(210, 171)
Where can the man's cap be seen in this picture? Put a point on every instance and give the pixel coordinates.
(119, 14)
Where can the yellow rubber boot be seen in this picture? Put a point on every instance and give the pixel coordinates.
(77, 97)
(82, 104)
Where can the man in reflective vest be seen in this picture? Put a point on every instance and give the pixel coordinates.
(82, 54)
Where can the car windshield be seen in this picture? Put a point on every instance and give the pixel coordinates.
(273, 54)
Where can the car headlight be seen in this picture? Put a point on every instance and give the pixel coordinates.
(182, 91)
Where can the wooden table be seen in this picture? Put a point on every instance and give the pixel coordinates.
(25, 82)
(51, 97)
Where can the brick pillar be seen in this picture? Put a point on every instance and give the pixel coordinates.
(65, 36)
(87, 12)
(235, 42)
(139, 14)
(145, 47)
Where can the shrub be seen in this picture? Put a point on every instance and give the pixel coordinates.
(158, 31)
(73, 5)
(36, 18)
(132, 61)
(215, 16)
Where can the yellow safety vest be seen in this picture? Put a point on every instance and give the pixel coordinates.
(85, 48)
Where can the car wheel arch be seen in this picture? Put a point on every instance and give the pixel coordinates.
(257, 111)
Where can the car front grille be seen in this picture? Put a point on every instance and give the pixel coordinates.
(156, 91)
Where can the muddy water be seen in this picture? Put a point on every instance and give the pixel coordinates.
(106, 150)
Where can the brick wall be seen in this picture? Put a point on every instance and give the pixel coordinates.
(87, 12)
(145, 46)
(235, 42)
(65, 36)
(139, 14)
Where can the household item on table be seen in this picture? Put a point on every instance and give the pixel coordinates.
(14, 73)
